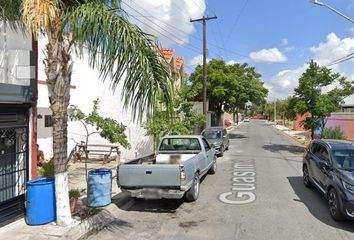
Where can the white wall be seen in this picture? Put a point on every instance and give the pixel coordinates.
(88, 88)
(15, 50)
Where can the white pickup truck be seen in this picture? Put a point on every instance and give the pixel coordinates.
(175, 171)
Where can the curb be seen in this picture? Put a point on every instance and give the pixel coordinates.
(233, 127)
(93, 224)
(301, 142)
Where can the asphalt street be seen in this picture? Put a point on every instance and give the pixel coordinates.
(257, 193)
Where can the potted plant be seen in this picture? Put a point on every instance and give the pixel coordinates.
(74, 195)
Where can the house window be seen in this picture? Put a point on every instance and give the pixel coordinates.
(48, 121)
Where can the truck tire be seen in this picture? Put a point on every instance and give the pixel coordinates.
(221, 151)
(212, 169)
(193, 193)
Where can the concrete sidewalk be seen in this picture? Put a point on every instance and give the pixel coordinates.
(94, 220)
(302, 137)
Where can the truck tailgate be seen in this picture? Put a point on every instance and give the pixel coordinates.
(154, 175)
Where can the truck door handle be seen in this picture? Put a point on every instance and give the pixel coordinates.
(148, 172)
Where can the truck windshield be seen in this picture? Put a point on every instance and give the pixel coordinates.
(180, 144)
(212, 134)
(344, 159)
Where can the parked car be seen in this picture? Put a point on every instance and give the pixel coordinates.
(227, 123)
(329, 166)
(246, 119)
(219, 137)
(175, 171)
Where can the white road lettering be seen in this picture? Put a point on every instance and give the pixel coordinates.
(243, 183)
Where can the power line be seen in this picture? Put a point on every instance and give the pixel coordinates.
(192, 48)
(340, 60)
(195, 49)
(237, 19)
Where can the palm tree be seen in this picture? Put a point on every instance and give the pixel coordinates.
(115, 47)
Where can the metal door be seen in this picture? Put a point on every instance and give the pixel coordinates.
(13, 162)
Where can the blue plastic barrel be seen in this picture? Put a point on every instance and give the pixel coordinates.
(99, 187)
(40, 201)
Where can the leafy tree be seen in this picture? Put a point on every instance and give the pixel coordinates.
(230, 86)
(115, 47)
(310, 98)
(183, 122)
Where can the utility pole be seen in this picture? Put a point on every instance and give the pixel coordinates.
(204, 19)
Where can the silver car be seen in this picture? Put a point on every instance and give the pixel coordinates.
(219, 137)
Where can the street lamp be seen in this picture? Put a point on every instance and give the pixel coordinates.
(332, 9)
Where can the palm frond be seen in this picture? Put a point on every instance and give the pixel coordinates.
(122, 51)
(40, 14)
(10, 12)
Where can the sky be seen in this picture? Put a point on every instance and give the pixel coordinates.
(278, 37)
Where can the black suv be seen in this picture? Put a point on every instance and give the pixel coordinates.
(329, 166)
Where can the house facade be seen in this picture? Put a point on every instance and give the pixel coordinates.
(17, 120)
(87, 86)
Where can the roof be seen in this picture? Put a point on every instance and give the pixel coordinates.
(337, 144)
(167, 54)
(179, 62)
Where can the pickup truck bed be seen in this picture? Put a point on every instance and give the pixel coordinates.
(168, 175)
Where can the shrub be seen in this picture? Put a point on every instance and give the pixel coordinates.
(47, 170)
(330, 133)
(74, 193)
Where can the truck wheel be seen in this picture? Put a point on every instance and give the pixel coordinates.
(221, 151)
(212, 169)
(193, 193)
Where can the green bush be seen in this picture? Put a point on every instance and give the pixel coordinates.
(74, 193)
(330, 133)
(47, 170)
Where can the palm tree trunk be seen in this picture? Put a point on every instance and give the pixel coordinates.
(58, 69)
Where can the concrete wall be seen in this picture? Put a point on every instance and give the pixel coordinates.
(15, 50)
(88, 87)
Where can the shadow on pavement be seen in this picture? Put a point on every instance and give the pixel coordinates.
(127, 203)
(317, 204)
(283, 147)
(236, 136)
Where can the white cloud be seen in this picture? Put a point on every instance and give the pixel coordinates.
(284, 42)
(282, 84)
(231, 62)
(333, 49)
(197, 60)
(168, 20)
(241, 61)
(272, 55)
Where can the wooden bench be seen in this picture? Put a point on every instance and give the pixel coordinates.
(106, 150)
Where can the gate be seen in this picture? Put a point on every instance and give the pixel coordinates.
(13, 162)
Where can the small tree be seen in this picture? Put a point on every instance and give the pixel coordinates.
(310, 98)
(107, 128)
